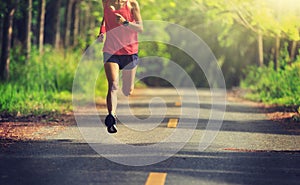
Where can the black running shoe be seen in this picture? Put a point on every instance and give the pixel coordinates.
(110, 122)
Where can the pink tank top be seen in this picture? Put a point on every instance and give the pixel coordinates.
(120, 40)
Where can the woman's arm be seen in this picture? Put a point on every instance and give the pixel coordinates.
(102, 26)
(138, 25)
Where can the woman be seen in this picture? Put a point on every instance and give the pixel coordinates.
(122, 21)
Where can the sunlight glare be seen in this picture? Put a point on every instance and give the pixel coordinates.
(285, 5)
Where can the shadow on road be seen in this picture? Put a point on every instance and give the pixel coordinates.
(65, 162)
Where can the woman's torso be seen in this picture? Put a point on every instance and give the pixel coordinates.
(120, 40)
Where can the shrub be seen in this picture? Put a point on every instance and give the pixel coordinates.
(280, 86)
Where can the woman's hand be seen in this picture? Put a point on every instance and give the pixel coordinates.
(120, 19)
(100, 37)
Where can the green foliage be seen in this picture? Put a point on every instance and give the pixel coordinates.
(43, 84)
(271, 86)
(229, 27)
(269, 17)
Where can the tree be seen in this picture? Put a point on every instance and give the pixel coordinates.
(27, 44)
(276, 20)
(6, 38)
(75, 23)
(290, 25)
(246, 13)
(84, 18)
(41, 24)
(52, 23)
(68, 21)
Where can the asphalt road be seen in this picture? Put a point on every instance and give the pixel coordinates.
(248, 148)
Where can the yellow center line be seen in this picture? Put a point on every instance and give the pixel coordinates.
(178, 104)
(156, 179)
(172, 123)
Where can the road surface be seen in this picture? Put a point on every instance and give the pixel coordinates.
(248, 149)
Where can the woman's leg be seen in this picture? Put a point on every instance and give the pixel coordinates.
(112, 75)
(128, 77)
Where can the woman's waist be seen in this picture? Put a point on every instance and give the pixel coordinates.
(121, 51)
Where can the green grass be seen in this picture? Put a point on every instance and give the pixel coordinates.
(44, 84)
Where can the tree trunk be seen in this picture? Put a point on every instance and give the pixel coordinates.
(68, 20)
(57, 27)
(260, 49)
(41, 25)
(27, 44)
(1, 31)
(91, 22)
(277, 52)
(82, 22)
(293, 51)
(52, 23)
(75, 22)
(6, 43)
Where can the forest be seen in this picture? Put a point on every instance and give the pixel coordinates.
(256, 44)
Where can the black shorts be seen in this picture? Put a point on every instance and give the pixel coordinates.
(124, 61)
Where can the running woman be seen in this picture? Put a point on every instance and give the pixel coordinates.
(122, 22)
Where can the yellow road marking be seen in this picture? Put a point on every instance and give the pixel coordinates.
(178, 104)
(172, 123)
(156, 179)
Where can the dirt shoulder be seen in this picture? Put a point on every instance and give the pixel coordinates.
(286, 115)
(26, 128)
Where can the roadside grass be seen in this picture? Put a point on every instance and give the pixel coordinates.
(270, 86)
(44, 84)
